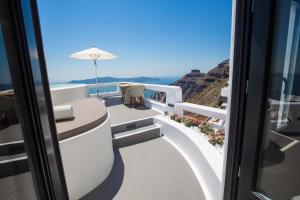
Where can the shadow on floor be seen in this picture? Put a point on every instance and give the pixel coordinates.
(138, 107)
(110, 187)
(112, 101)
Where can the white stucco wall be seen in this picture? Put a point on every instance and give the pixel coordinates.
(87, 159)
(69, 93)
(203, 158)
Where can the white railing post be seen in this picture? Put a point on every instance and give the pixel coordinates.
(178, 110)
(173, 97)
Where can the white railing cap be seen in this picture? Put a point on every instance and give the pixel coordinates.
(202, 110)
(103, 84)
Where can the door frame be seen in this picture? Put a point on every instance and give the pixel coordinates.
(253, 42)
(257, 92)
(41, 145)
(242, 43)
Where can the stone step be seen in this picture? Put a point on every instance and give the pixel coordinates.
(131, 125)
(137, 135)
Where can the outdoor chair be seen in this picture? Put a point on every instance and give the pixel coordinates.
(134, 95)
(123, 87)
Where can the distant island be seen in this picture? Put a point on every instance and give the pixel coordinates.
(140, 79)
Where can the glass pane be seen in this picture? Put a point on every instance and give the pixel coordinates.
(15, 177)
(279, 169)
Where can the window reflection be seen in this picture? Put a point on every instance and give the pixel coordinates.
(279, 175)
(9, 124)
(15, 179)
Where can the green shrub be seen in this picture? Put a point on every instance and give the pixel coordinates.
(207, 128)
(187, 122)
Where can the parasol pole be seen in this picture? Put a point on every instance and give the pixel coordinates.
(96, 74)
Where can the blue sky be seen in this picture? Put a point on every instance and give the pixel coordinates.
(150, 37)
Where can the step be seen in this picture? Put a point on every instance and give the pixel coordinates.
(131, 125)
(135, 136)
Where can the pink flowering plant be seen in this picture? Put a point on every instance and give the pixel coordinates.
(215, 136)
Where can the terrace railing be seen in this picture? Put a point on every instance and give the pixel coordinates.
(165, 98)
(162, 97)
(201, 110)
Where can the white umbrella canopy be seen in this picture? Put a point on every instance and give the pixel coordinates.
(93, 54)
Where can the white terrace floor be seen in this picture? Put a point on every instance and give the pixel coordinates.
(147, 171)
(121, 113)
(152, 170)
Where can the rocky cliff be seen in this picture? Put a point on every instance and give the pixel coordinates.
(204, 88)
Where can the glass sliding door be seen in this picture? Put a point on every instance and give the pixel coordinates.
(30, 162)
(270, 159)
(40, 85)
(278, 173)
(15, 176)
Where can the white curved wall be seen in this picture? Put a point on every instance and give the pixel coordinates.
(69, 93)
(204, 159)
(87, 159)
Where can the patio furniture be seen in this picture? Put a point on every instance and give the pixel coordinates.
(93, 54)
(123, 87)
(63, 112)
(134, 95)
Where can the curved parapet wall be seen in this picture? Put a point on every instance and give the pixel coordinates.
(87, 159)
(66, 94)
(205, 161)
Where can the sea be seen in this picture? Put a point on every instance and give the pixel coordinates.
(148, 93)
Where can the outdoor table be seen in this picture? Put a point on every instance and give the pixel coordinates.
(123, 88)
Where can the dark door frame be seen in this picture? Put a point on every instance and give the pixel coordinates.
(251, 55)
(240, 60)
(41, 144)
(259, 65)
